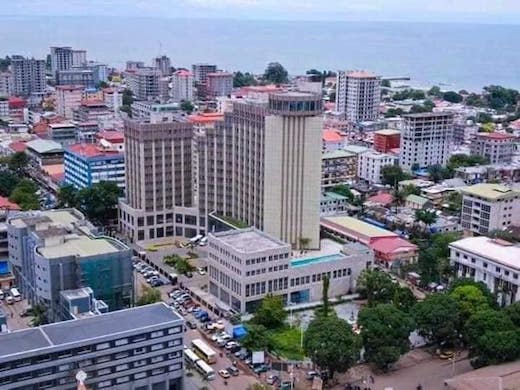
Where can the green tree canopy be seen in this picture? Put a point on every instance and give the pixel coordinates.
(414, 94)
(513, 312)
(497, 347)
(484, 321)
(404, 299)
(243, 79)
(393, 174)
(24, 194)
(491, 299)
(257, 338)
(8, 182)
(18, 162)
(99, 202)
(128, 97)
(150, 295)
(500, 98)
(271, 313)
(435, 91)
(452, 97)
(331, 344)
(275, 73)
(376, 286)
(343, 189)
(437, 319)
(428, 217)
(385, 331)
(67, 196)
(187, 106)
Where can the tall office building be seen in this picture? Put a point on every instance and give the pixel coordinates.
(158, 163)
(28, 76)
(144, 83)
(182, 86)
(425, 139)
(57, 250)
(200, 76)
(262, 166)
(133, 349)
(79, 58)
(219, 84)
(61, 58)
(358, 94)
(163, 64)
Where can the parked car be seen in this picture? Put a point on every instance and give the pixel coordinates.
(233, 370)
(191, 325)
(201, 271)
(311, 374)
(272, 379)
(260, 368)
(232, 344)
(224, 374)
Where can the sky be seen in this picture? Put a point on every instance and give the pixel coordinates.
(478, 11)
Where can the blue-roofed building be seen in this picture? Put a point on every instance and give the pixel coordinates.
(246, 264)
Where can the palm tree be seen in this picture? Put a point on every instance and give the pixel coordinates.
(39, 313)
(428, 217)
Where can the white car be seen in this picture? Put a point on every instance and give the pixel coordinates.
(224, 374)
(201, 271)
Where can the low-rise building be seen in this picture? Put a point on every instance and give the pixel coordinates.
(44, 152)
(498, 148)
(494, 262)
(371, 163)
(56, 250)
(92, 111)
(416, 202)
(332, 203)
(155, 112)
(338, 167)
(352, 229)
(247, 264)
(134, 349)
(62, 133)
(332, 140)
(394, 252)
(112, 98)
(487, 207)
(386, 140)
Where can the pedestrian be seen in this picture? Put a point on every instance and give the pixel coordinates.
(372, 379)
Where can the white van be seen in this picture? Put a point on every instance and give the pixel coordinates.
(16, 294)
(203, 241)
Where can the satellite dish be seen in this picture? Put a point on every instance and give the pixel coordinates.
(81, 376)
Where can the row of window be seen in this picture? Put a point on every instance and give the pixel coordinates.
(300, 281)
(485, 265)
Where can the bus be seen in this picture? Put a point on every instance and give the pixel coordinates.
(204, 351)
(190, 357)
(205, 370)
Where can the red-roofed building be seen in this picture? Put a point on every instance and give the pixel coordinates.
(206, 118)
(394, 252)
(332, 140)
(17, 111)
(6, 204)
(17, 146)
(113, 140)
(498, 148)
(385, 140)
(381, 199)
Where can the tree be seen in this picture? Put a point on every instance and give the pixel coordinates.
(513, 312)
(386, 83)
(485, 321)
(428, 217)
(504, 235)
(126, 109)
(304, 242)
(25, 196)
(474, 100)
(259, 386)
(452, 97)
(404, 299)
(343, 189)
(39, 314)
(331, 344)
(67, 196)
(257, 338)
(376, 286)
(393, 174)
(454, 200)
(99, 202)
(102, 84)
(128, 97)
(150, 295)
(187, 106)
(243, 79)
(437, 173)
(18, 162)
(8, 182)
(276, 73)
(393, 112)
(491, 298)
(497, 347)
(325, 308)
(470, 300)
(271, 313)
(500, 98)
(184, 266)
(385, 331)
(437, 319)
(435, 91)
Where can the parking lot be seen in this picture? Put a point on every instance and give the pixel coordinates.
(14, 314)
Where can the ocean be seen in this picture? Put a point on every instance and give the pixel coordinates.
(458, 56)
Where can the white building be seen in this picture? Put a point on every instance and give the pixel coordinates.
(493, 262)
(68, 98)
(498, 148)
(370, 165)
(182, 86)
(358, 94)
(487, 207)
(219, 84)
(425, 139)
(113, 98)
(6, 84)
(247, 264)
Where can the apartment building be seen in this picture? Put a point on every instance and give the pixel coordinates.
(28, 76)
(86, 164)
(163, 64)
(358, 94)
(371, 163)
(387, 139)
(68, 98)
(134, 349)
(112, 98)
(56, 250)
(494, 262)
(6, 84)
(338, 167)
(498, 148)
(94, 111)
(261, 165)
(245, 265)
(155, 112)
(62, 133)
(182, 86)
(487, 207)
(144, 83)
(158, 160)
(61, 58)
(425, 139)
(218, 84)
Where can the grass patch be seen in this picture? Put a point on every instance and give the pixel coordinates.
(286, 342)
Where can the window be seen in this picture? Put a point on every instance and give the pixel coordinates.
(156, 347)
(139, 351)
(121, 342)
(156, 334)
(140, 363)
(141, 375)
(122, 355)
(102, 346)
(104, 371)
(122, 367)
(104, 384)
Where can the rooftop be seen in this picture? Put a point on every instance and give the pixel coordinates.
(44, 146)
(249, 240)
(356, 149)
(417, 199)
(76, 331)
(356, 225)
(112, 136)
(6, 204)
(59, 217)
(80, 246)
(427, 115)
(392, 245)
(387, 132)
(496, 136)
(91, 150)
(360, 74)
(329, 135)
(337, 154)
(333, 196)
(490, 191)
(499, 251)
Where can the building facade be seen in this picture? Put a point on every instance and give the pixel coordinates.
(338, 167)
(219, 84)
(370, 166)
(77, 76)
(6, 84)
(498, 148)
(246, 265)
(182, 86)
(494, 262)
(159, 190)
(28, 76)
(358, 94)
(163, 64)
(56, 250)
(86, 164)
(133, 349)
(386, 140)
(144, 83)
(68, 97)
(487, 207)
(61, 59)
(425, 139)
